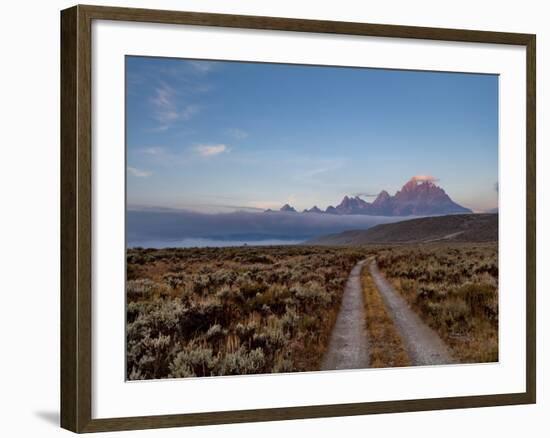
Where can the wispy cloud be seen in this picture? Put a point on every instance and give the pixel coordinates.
(313, 171)
(167, 108)
(178, 156)
(264, 205)
(237, 133)
(210, 150)
(203, 66)
(156, 155)
(365, 195)
(153, 150)
(139, 172)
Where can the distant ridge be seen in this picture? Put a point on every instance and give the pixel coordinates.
(420, 196)
(313, 209)
(287, 208)
(449, 228)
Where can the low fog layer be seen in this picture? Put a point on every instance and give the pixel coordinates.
(145, 226)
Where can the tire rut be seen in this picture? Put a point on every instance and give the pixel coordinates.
(348, 344)
(422, 343)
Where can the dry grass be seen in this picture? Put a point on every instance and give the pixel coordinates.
(386, 346)
(454, 289)
(220, 311)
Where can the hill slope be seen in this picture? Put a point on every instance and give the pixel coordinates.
(454, 228)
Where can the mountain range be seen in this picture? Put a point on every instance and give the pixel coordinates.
(418, 197)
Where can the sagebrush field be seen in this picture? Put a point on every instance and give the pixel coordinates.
(454, 289)
(248, 310)
(206, 312)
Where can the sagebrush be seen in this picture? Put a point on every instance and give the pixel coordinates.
(222, 311)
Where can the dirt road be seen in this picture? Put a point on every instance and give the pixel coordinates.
(348, 346)
(423, 344)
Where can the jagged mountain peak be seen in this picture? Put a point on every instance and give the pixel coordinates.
(351, 205)
(420, 183)
(419, 196)
(288, 208)
(383, 196)
(415, 189)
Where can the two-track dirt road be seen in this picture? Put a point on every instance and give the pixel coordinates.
(348, 346)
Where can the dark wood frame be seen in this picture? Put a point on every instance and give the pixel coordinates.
(76, 305)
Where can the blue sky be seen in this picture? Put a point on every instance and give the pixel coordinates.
(222, 136)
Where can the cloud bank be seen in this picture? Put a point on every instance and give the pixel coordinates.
(160, 225)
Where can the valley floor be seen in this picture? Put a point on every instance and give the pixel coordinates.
(247, 310)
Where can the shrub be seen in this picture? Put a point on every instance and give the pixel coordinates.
(246, 331)
(274, 299)
(201, 284)
(248, 288)
(270, 338)
(174, 279)
(480, 297)
(282, 364)
(224, 293)
(215, 333)
(147, 356)
(289, 321)
(312, 293)
(243, 362)
(199, 317)
(144, 288)
(193, 360)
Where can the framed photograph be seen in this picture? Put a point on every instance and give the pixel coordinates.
(269, 218)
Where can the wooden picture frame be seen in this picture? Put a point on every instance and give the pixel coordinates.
(76, 217)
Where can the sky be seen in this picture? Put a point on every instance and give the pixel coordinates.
(223, 136)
